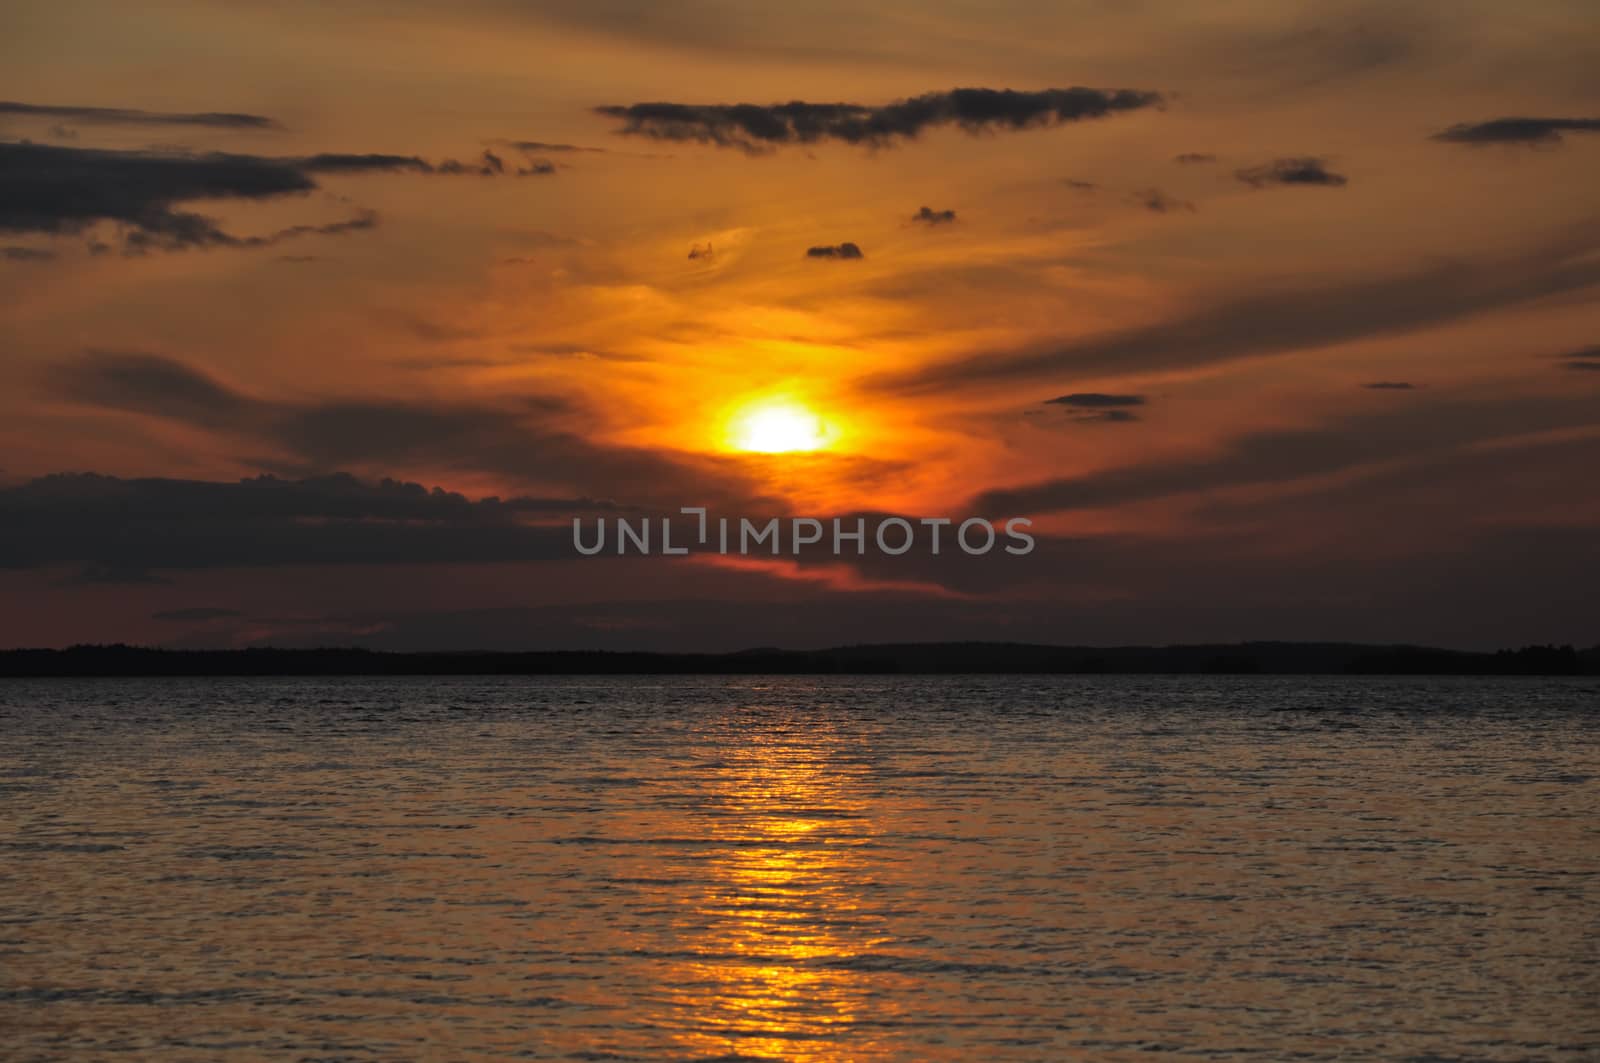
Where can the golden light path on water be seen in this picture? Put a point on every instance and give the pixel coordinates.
(782, 916)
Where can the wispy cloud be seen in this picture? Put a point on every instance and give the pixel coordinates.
(129, 116)
(1392, 433)
(1291, 319)
(1158, 202)
(1095, 400)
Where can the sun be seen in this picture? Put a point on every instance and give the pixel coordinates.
(778, 426)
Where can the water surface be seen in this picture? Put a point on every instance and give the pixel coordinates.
(794, 868)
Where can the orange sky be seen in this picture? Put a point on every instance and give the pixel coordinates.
(604, 329)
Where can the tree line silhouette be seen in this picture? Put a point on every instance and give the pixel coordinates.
(1249, 658)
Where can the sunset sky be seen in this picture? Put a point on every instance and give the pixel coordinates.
(320, 322)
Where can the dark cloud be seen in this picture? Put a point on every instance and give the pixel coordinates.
(538, 146)
(152, 385)
(934, 217)
(195, 614)
(65, 190)
(186, 231)
(1107, 417)
(125, 116)
(1157, 201)
(334, 163)
(1095, 407)
(1303, 170)
(521, 440)
(487, 165)
(1112, 590)
(1282, 456)
(757, 127)
(1094, 400)
(844, 250)
(1587, 359)
(127, 530)
(1100, 591)
(1192, 158)
(26, 254)
(1390, 385)
(1283, 321)
(1535, 131)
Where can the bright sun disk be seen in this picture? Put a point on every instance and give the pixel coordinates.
(778, 428)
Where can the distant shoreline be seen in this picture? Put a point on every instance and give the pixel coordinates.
(970, 658)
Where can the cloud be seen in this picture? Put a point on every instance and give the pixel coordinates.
(844, 250)
(1095, 407)
(541, 146)
(1292, 319)
(197, 613)
(127, 530)
(1094, 400)
(487, 165)
(125, 116)
(1302, 170)
(64, 190)
(934, 217)
(334, 163)
(1390, 385)
(1533, 131)
(67, 190)
(26, 254)
(1587, 359)
(1157, 201)
(757, 128)
(1107, 417)
(152, 385)
(522, 440)
(185, 231)
(1388, 435)
(1193, 158)
(532, 148)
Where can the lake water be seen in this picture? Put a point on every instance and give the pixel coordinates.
(1105, 868)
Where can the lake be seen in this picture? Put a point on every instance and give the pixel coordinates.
(844, 868)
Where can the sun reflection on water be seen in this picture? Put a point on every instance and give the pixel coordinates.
(783, 915)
